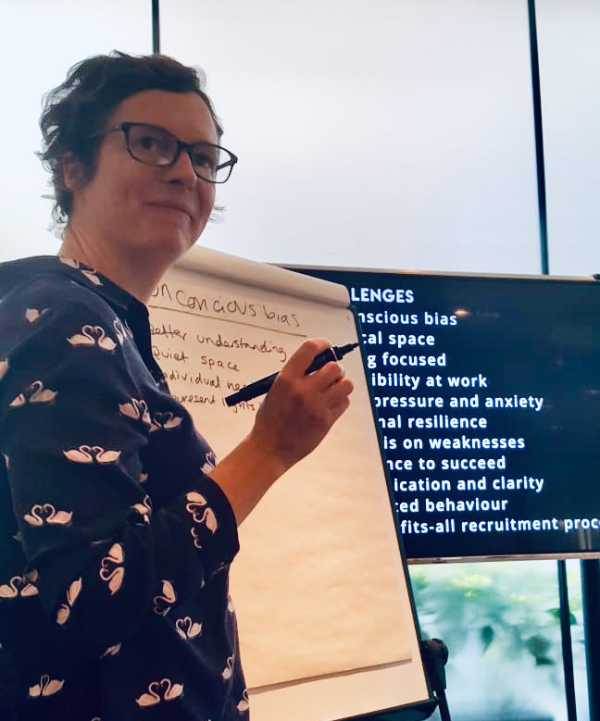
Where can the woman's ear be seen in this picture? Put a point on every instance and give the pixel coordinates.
(72, 172)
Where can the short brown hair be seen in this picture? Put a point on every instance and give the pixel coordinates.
(80, 107)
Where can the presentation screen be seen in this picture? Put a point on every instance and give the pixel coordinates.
(487, 395)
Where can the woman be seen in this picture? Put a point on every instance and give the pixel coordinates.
(114, 545)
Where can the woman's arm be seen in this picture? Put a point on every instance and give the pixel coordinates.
(99, 556)
(295, 416)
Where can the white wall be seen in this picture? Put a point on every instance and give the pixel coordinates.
(39, 41)
(371, 132)
(569, 51)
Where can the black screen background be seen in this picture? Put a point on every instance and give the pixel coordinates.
(530, 337)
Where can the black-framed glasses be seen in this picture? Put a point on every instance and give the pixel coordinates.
(153, 145)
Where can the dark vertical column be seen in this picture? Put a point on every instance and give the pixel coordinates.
(565, 614)
(567, 644)
(155, 27)
(590, 586)
(539, 137)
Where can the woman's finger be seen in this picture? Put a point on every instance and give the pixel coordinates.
(338, 392)
(330, 373)
(340, 408)
(304, 355)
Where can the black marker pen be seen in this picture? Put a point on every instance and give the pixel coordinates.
(259, 388)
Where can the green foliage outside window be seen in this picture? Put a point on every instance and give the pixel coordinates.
(501, 623)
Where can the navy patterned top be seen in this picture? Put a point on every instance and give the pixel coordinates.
(115, 545)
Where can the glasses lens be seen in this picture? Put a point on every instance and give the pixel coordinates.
(205, 159)
(212, 163)
(151, 145)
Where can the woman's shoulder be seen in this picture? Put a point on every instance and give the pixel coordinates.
(41, 303)
(35, 286)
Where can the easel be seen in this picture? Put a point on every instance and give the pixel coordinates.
(435, 656)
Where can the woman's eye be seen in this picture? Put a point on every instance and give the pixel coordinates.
(150, 142)
(204, 160)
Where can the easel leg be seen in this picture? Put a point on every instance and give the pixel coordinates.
(435, 655)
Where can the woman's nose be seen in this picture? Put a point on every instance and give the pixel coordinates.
(182, 170)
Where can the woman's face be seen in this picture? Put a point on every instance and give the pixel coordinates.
(136, 210)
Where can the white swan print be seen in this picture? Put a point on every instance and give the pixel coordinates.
(112, 650)
(35, 393)
(163, 602)
(119, 331)
(158, 691)
(194, 499)
(65, 608)
(111, 568)
(196, 504)
(137, 410)
(188, 629)
(227, 672)
(23, 586)
(244, 704)
(42, 514)
(89, 274)
(122, 331)
(197, 544)
(92, 335)
(92, 454)
(210, 463)
(144, 508)
(164, 421)
(33, 314)
(46, 687)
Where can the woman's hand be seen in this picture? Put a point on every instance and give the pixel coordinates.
(295, 416)
(300, 409)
